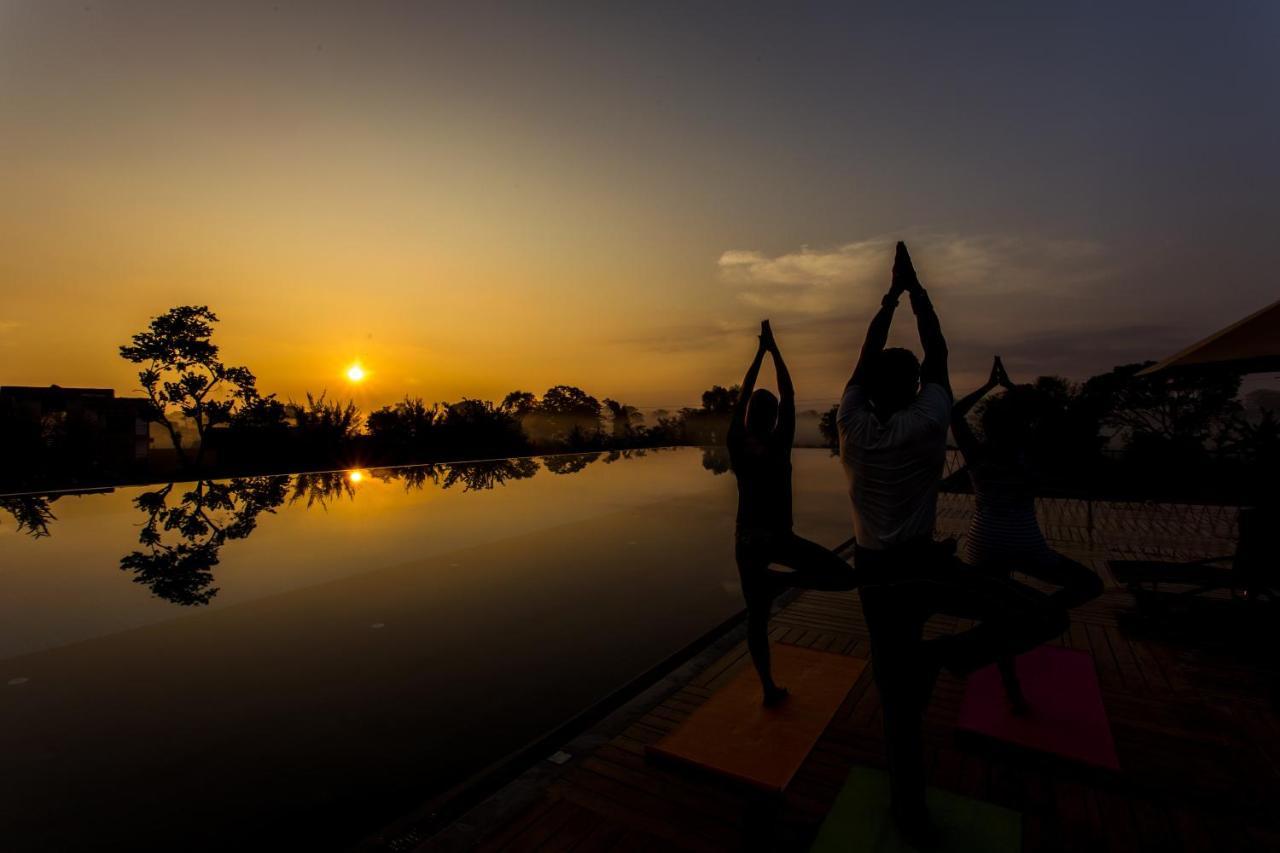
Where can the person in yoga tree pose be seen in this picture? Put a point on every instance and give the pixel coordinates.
(892, 423)
(760, 436)
(1004, 535)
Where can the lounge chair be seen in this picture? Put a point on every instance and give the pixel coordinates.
(1252, 572)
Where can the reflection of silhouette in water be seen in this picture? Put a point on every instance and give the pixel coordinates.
(31, 512)
(204, 518)
(633, 453)
(414, 477)
(571, 464)
(479, 476)
(181, 541)
(761, 432)
(1004, 534)
(322, 486)
(716, 459)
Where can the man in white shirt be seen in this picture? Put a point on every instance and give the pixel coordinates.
(893, 423)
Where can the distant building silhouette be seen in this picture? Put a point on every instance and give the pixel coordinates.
(90, 426)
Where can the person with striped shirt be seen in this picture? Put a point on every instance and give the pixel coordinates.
(1004, 535)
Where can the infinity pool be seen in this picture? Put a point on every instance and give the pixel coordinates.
(297, 660)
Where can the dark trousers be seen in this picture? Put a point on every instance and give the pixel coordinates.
(900, 589)
(1078, 584)
(811, 567)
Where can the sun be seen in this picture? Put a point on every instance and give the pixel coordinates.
(355, 373)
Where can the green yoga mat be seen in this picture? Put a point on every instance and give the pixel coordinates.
(860, 821)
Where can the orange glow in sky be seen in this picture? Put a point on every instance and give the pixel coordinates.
(618, 200)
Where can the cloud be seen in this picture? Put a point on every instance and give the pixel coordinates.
(803, 281)
(809, 281)
(1067, 307)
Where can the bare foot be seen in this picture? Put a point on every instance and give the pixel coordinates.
(775, 696)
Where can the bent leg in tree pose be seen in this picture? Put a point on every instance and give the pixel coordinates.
(761, 432)
(893, 423)
(1004, 535)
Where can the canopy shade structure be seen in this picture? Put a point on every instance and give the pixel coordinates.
(1251, 345)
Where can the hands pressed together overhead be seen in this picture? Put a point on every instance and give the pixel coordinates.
(998, 376)
(904, 273)
(767, 342)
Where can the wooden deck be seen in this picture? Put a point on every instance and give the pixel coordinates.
(1196, 730)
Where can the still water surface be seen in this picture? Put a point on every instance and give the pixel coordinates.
(299, 660)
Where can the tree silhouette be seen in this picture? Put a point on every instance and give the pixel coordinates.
(519, 403)
(478, 427)
(566, 407)
(183, 373)
(261, 415)
(719, 400)
(625, 419)
(827, 426)
(406, 430)
(1180, 408)
(323, 429)
(204, 518)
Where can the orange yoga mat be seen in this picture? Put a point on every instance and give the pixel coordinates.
(733, 734)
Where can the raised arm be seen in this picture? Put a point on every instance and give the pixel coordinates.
(785, 431)
(878, 332)
(934, 366)
(968, 443)
(738, 422)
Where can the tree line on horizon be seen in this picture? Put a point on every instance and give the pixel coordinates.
(1115, 433)
(1185, 436)
(219, 422)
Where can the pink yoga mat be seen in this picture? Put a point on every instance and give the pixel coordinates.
(1067, 716)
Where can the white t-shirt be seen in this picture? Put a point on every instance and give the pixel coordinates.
(894, 467)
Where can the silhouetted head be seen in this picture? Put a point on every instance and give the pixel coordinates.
(1007, 421)
(893, 381)
(762, 413)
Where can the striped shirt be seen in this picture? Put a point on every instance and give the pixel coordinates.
(894, 465)
(1004, 527)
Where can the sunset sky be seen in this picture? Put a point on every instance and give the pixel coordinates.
(472, 198)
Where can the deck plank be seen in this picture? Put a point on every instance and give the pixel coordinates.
(1197, 732)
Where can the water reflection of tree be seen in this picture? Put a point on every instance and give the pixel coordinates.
(32, 514)
(715, 459)
(472, 476)
(201, 521)
(480, 476)
(185, 531)
(414, 477)
(570, 464)
(321, 487)
(618, 455)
